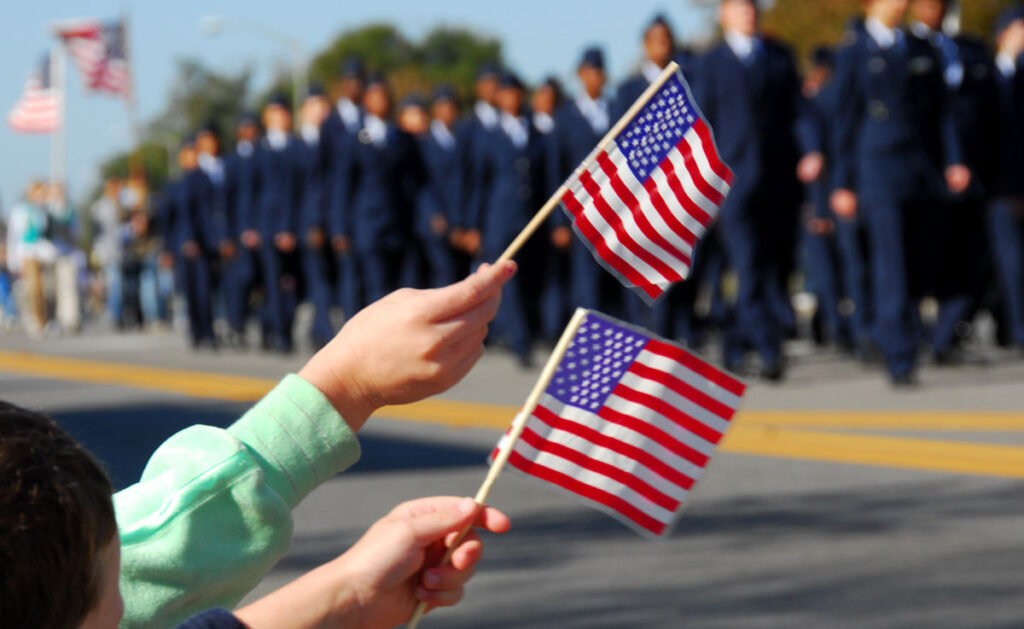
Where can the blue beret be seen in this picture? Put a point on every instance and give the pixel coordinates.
(413, 99)
(510, 80)
(659, 20)
(488, 70)
(279, 99)
(444, 91)
(248, 117)
(352, 68)
(315, 89)
(376, 79)
(209, 126)
(593, 57)
(1006, 18)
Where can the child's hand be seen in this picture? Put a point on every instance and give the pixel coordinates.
(384, 576)
(408, 346)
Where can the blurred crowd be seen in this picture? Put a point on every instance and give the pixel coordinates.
(890, 172)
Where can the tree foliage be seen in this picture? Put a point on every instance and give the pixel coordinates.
(805, 24)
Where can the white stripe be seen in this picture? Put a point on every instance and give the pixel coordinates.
(646, 206)
(668, 195)
(664, 424)
(631, 437)
(679, 164)
(690, 377)
(618, 206)
(675, 400)
(595, 480)
(628, 220)
(605, 455)
(703, 163)
(616, 246)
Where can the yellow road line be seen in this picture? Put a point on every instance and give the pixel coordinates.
(191, 383)
(918, 454)
(802, 434)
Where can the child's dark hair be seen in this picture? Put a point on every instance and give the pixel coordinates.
(56, 516)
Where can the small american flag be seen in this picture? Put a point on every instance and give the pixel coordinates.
(627, 423)
(38, 109)
(98, 50)
(645, 199)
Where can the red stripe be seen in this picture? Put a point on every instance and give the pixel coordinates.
(655, 434)
(590, 493)
(688, 391)
(638, 212)
(698, 178)
(677, 187)
(723, 171)
(630, 274)
(600, 467)
(698, 366)
(613, 220)
(677, 416)
(666, 213)
(602, 440)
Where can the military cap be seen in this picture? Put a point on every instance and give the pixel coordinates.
(593, 57)
(509, 79)
(352, 68)
(444, 92)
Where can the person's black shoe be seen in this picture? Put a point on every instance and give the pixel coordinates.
(904, 381)
(773, 373)
(948, 357)
(524, 361)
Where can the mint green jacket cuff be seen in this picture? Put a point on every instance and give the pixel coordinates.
(212, 512)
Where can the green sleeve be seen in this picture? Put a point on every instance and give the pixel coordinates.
(212, 512)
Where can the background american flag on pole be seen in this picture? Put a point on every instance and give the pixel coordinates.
(38, 109)
(628, 423)
(99, 51)
(649, 193)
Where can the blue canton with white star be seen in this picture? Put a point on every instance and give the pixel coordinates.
(596, 360)
(656, 130)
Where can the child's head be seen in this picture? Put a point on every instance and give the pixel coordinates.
(59, 549)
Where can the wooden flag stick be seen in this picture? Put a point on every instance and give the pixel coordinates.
(545, 211)
(509, 442)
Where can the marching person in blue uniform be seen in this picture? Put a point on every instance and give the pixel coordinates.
(278, 220)
(412, 118)
(748, 88)
(211, 200)
(580, 125)
(1007, 193)
(962, 263)
(483, 119)
(659, 45)
(187, 234)
(241, 269)
(338, 135)
(375, 202)
(312, 177)
(507, 191)
(896, 154)
(441, 195)
(821, 257)
(548, 281)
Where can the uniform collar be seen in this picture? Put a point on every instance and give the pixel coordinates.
(211, 165)
(348, 111)
(650, 71)
(376, 129)
(276, 139)
(595, 110)
(516, 128)
(487, 114)
(544, 122)
(442, 134)
(244, 148)
(310, 133)
(742, 45)
(1006, 64)
(884, 36)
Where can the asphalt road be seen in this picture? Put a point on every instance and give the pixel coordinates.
(835, 502)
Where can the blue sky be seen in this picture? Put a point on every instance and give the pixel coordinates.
(540, 37)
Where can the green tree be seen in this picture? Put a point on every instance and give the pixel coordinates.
(807, 24)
